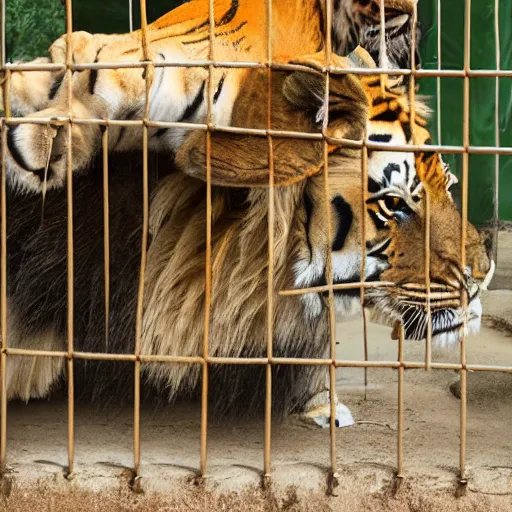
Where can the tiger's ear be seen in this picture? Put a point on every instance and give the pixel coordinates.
(297, 105)
(433, 173)
(347, 108)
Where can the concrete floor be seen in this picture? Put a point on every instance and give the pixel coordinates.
(503, 276)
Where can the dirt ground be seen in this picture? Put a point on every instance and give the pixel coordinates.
(366, 452)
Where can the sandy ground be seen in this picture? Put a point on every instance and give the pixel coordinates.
(366, 452)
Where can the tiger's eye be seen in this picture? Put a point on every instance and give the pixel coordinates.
(392, 205)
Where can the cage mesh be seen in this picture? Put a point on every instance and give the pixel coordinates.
(206, 360)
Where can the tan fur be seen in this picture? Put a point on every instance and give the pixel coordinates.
(31, 377)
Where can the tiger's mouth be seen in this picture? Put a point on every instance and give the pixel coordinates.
(449, 318)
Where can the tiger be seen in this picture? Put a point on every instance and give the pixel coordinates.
(174, 284)
(37, 156)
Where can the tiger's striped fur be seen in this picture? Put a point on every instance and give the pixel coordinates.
(177, 94)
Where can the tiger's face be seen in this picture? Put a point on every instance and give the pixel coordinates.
(455, 289)
(394, 217)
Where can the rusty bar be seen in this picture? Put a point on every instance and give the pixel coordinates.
(338, 286)
(267, 461)
(130, 15)
(329, 271)
(169, 64)
(412, 103)
(3, 290)
(496, 212)
(2, 34)
(356, 144)
(400, 422)
(70, 262)
(3, 251)
(428, 340)
(438, 78)
(383, 51)
(408, 365)
(144, 243)
(270, 309)
(465, 185)
(420, 73)
(412, 120)
(364, 193)
(106, 232)
(208, 257)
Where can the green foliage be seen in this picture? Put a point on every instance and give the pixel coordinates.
(32, 26)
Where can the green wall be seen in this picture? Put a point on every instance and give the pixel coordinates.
(112, 15)
(482, 95)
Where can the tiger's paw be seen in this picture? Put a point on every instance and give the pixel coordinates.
(318, 412)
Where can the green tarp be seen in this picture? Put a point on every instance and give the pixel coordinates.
(482, 94)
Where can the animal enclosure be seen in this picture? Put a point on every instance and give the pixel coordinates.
(367, 360)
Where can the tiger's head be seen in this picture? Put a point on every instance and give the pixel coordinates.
(395, 218)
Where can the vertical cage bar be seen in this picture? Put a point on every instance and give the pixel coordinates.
(400, 423)
(383, 55)
(329, 272)
(267, 462)
(3, 272)
(383, 51)
(364, 193)
(412, 103)
(130, 14)
(144, 243)
(438, 79)
(208, 260)
(106, 232)
(465, 186)
(496, 211)
(70, 261)
(3, 253)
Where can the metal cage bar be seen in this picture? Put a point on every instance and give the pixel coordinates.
(349, 143)
(3, 254)
(208, 258)
(496, 209)
(438, 78)
(267, 459)
(148, 76)
(400, 407)
(70, 262)
(464, 298)
(106, 231)
(210, 127)
(364, 194)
